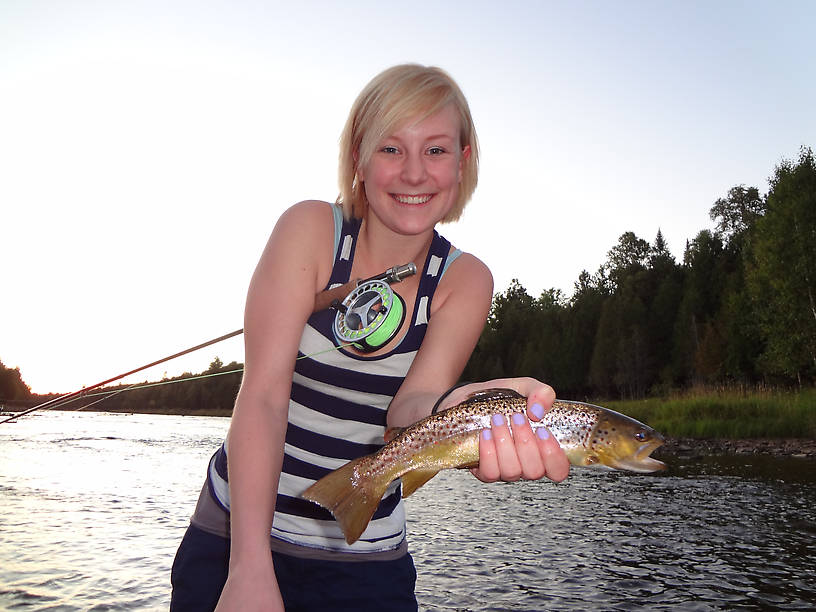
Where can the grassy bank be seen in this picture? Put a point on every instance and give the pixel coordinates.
(728, 413)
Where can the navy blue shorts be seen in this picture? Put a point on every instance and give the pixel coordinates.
(202, 562)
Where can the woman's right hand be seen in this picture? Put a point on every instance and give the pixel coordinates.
(250, 590)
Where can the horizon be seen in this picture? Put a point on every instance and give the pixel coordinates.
(150, 148)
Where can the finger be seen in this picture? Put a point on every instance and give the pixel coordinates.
(527, 450)
(509, 466)
(539, 400)
(555, 460)
(488, 470)
(535, 411)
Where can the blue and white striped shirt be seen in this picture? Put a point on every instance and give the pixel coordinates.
(337, 412)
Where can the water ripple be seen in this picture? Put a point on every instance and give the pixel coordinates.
(94, 506)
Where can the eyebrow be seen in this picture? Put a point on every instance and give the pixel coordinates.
(431, 137)
(438, 136)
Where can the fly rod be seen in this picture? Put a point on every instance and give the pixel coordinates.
(67, 396)
(323, 300)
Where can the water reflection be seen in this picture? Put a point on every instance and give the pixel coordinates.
(717, 533)
(94, 506)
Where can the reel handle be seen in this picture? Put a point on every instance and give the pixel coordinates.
(395, 274)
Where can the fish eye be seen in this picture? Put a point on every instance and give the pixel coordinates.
(641, 436)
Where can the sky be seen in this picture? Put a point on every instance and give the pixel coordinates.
(147, 148)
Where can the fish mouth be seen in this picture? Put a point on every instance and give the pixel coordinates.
(641, 460)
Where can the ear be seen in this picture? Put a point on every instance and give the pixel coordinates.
(462, 159)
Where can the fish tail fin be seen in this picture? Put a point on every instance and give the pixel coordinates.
(351, 500)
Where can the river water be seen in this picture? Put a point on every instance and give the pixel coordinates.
(94, 505)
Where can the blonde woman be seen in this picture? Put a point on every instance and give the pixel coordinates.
(408, 161)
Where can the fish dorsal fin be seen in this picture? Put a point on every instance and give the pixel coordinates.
(493, 394)
(414, 479)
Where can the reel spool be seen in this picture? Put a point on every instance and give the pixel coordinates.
(372, 313)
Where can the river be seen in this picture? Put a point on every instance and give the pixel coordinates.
(94, 505)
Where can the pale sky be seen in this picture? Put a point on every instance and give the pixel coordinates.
(147, 148)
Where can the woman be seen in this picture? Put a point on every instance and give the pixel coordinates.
(408, 161)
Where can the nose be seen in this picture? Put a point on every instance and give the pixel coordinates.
(413, 169)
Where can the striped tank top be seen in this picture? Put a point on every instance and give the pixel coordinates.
(337, 412)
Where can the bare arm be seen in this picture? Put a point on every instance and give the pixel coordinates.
(279, 301)
(459, 311)
(508, 451)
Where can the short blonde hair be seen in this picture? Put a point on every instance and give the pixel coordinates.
(407, 91)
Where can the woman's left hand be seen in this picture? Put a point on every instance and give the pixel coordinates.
(511, 451)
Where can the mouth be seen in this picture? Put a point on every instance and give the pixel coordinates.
(412, 200)
(643, 457)
(641, 460)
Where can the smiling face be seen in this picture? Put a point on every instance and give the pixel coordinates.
(412, 178)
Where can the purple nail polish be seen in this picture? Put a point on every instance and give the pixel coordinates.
(543, 433)
(518, 418)
(486, 434)
(537, 409)
(498, 419)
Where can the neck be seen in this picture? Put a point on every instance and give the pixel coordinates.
(380, 248)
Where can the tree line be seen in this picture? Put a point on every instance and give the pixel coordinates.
(12, 386)
(211, 391)
(739, 309)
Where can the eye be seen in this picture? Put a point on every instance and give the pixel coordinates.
(389, 149)
(436, 151)
(641, 436)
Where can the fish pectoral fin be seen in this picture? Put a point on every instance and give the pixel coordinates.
(414, 479)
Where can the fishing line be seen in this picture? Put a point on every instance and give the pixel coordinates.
(62, 398)
(369, 317)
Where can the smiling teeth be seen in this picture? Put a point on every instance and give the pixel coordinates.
(418, 199)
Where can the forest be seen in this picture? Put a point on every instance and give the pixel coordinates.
(738, 311)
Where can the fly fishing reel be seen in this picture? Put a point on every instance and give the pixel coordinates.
(372, 313)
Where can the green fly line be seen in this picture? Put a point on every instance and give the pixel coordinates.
(64, 400)
(376, 311)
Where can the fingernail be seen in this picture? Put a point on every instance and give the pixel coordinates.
(486, 434)
(498, 419)
(537, 409)
(543, 433)
(518, 418)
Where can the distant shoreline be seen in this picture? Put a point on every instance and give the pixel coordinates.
(673, 447)
(692, 447)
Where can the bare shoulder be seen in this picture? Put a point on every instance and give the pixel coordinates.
(299, 249)
(471, 267)
(312, 216)
(468, 270)
(467, 278)
(306, 230)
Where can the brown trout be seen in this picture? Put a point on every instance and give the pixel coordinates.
(590, 436)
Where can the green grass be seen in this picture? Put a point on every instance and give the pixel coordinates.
(727, 413)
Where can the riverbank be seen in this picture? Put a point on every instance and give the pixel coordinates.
(690, 447)
(687, 447)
